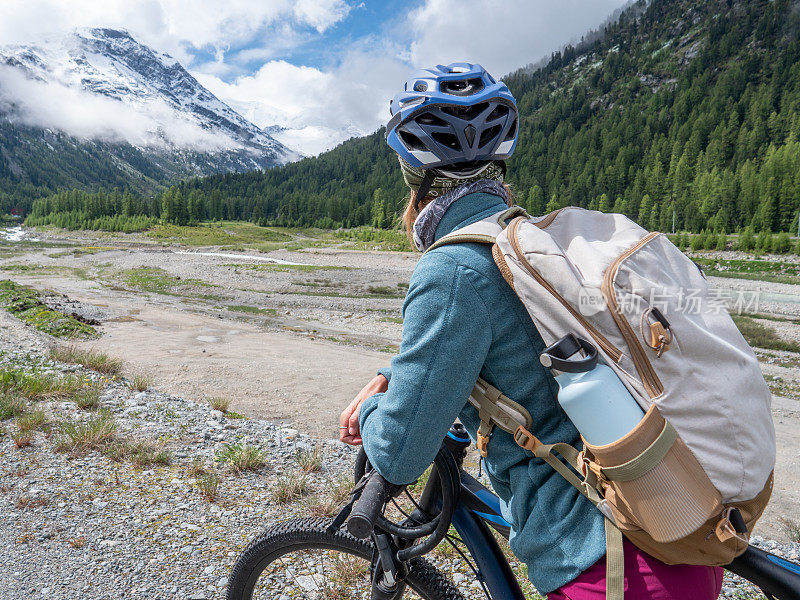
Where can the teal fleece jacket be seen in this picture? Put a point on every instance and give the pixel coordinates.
(461, 320)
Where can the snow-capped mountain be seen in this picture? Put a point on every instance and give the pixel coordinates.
(102, 87)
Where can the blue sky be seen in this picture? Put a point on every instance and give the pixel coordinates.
(321, 70)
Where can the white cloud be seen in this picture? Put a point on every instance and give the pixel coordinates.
(92, 116)
(169, 25)
(319, 108)
(500, 35)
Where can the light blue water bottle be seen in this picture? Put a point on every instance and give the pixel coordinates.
(594, 398)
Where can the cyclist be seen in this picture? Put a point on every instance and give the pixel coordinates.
(452, 128)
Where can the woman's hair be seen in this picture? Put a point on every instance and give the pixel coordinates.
(410, 214)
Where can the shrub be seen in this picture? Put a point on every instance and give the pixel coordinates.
(95, 433)
(96, 361)
(746, 241)
(242, 457)
(208, 484)
(220, 404)
(310, 461)
(289, 488)
(781, 243)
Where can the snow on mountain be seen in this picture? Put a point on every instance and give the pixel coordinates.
(103, 85)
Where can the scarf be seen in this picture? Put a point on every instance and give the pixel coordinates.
(429, 217)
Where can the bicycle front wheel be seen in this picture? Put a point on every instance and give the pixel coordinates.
(299, 559)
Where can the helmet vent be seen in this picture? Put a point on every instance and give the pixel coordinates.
(411, 141)
(446, 139)
(488, 135)
(465, 112)
(431, 119)
(512, 131)
(499, 111)
(462, 87)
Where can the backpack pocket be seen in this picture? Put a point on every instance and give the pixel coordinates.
(652, 481)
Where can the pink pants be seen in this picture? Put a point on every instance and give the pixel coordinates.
(645, 579)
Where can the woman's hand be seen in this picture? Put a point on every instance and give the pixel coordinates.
(349, 431)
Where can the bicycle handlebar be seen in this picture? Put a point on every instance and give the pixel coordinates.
(369, 505)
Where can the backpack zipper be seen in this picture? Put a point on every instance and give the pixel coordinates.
(611, 350)
(643, 365)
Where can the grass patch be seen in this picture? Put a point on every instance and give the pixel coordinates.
(754, 270)
(370, 238)
(761, 336)
(208, 484)
(33, 421)
(309, 461)
(91, 359)
(252, 310)
(392, 320)
(95, 433)
(88, 398)
(290, 488)
(141, 453)
(139, 382)
(37, 386)
(242, 457)
(11, 405)
(158, 281)
(22, 438)
(220, 404)
(26, 304)
(336, 493)
(232, 414)
(280, 268)
(791, 527)
(217, 234)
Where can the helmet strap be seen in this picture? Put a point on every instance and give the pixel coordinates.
(424, 188)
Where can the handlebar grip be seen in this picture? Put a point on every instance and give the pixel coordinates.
(373, 497)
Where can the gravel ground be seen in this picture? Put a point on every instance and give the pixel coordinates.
(87, 527)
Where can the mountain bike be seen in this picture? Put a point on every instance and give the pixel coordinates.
(363, 553)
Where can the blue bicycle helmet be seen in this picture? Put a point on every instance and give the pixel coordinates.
(454, 119)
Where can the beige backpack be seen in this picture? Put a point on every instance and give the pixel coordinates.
(689, 482)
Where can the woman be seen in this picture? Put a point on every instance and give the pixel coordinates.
(452, 126)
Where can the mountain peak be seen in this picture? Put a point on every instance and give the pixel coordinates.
(113, 88)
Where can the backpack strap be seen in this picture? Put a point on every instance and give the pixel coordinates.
(484, 231)
(497, 410)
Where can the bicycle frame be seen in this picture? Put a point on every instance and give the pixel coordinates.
(476, 511)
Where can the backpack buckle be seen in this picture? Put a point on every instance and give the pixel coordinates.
(482, 444)
(526, 440)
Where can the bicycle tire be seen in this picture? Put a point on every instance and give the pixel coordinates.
(310, 533)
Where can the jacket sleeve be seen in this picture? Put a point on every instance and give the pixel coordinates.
(446, 337)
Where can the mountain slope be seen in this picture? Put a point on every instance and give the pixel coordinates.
(683, 108)
(98, 108)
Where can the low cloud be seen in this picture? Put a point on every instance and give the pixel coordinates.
(317, 108)
(85, 115)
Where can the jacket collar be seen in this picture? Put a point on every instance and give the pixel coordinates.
(469, 209)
